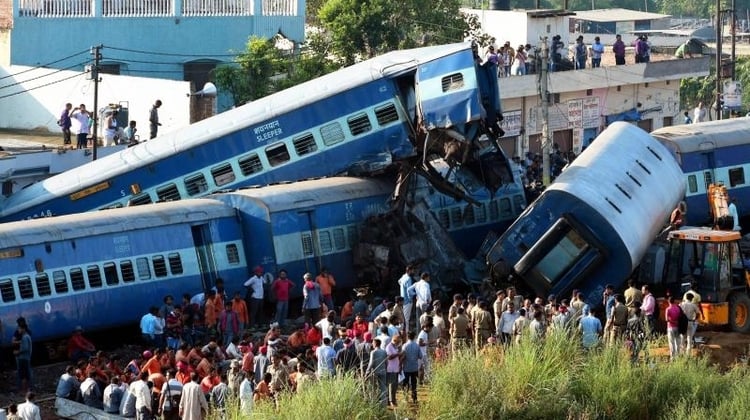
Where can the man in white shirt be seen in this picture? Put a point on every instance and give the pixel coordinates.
(254, 296)
(735, 215)
(505, 325)
(421, 290)
(404, 283)
(28, 410)
(142, 394)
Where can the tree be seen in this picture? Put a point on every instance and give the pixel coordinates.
(361, 29)
(249, 77)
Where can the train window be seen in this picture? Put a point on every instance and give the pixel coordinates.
(6, 290)
(359, 124)
(95, 276)
(386, 114)
(307, 244)
(277, 154)
(126, 270)
(61, 282)
(481, 213)
(332, 133)
(175, 263)
(505, 210)
(160, 267)
(562, 256)
(168, 193)
(42, 284)
(76, 279)
(24, 287)
(222, 174)
(469, 214)
(339, 241)
(692, 184)
(144, 272)
(444, 218)
(519, 203)
(196, 184)
(304, 144)
(250, 164)
(736, 176)
(233, 254)
(324, 238)
(456, 217)
(452, 82)
(110, 274)
(494, 211)
(708, 178)
(353, 235)
(140, 200)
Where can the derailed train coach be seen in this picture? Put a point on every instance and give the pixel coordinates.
(593, 225)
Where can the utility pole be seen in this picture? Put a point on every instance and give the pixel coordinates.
(718, 60)
(96, 51)
(545, 113)
(734, 40)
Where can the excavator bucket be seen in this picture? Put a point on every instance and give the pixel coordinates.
(718, 202)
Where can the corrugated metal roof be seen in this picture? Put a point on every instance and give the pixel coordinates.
(616, 15)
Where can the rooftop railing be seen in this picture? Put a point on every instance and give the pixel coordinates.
(154, 8)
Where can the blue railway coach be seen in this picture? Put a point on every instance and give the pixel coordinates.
(361, 118)
(103, 269)
(593, 225)
(711, 152)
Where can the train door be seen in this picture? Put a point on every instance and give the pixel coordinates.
(205, 253)
(310, 244)
(709, 173)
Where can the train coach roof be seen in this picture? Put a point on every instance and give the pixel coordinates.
(34, 231)
(258, 111)
(706, 136)
(306, 194)
(705, 235)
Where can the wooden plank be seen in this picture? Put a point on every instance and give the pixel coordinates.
(68, 409)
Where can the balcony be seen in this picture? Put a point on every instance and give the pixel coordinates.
(153, 8)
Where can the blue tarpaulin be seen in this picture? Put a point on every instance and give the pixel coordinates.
(630, 115)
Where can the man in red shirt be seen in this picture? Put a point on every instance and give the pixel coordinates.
(281, 287)
(672, 316)
(79, 347)
(326, 282)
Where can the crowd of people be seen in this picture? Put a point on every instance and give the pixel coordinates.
(208, 352)
(80, 121)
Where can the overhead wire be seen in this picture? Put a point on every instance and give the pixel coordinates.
(42, 76)
(41, 86)
(44, 65)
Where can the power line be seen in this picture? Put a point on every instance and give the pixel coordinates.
(41, 86)
(44, 65)
(44, 75)
(167, 54)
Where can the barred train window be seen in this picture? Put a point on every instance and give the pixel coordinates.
(76, 279)
(250, 164)
(42, 284)
(233, 254)
(144, 271)
(304, 144)
(359, 124)
(196, 184)
(95, 276)
(160, 267)
(332, 134)
(24, 287)
(61, 281)
(175, 263)
(222, 174)
(110, 274)
(6, 290)
(126, 269)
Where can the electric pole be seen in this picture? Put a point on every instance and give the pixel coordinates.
(96, 51)
(545, 113)
(718, 60)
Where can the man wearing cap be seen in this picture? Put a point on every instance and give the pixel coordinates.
(404, 283)
(79, 347)
(254, 296)
(421, 290)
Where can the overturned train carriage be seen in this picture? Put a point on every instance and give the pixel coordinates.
(593, 225)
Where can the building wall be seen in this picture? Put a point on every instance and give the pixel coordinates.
(518, 28)
(26, 104)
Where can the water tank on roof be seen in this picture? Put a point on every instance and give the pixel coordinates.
(499, 4)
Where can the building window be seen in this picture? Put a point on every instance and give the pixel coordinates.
(42, 284)
(196, 184)
(222, 174)
(667, 122)
(61, 282)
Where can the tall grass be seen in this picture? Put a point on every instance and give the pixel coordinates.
(557, 379)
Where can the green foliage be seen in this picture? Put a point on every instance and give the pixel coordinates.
(361, 29)
(249, 77)
(556, 379)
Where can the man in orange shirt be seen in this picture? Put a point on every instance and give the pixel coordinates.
(326, 282)
(152, 365)
(210, 311)
(240, 307)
